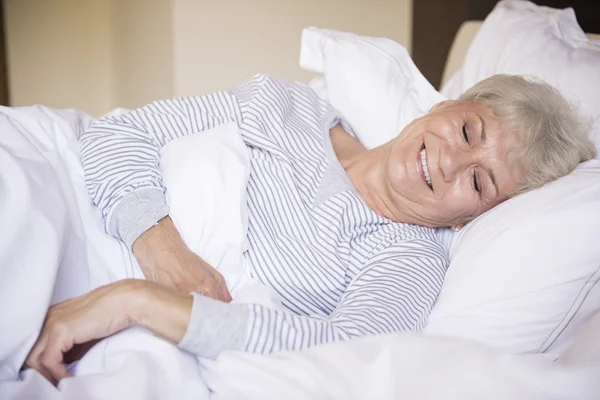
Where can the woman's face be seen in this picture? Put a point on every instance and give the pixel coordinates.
(450, 166)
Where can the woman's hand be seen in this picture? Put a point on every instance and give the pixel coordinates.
(103, 312)
(165, 259)
(95, 315)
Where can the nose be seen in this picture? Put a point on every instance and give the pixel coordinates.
(453, 160)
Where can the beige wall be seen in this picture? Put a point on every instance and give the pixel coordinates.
(142, 40)
(222, 42)
(101, 54)
(59, 53)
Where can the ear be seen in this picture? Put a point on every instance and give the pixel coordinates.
(458, 227)
(441, 104)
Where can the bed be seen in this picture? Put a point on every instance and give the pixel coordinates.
(519, 314)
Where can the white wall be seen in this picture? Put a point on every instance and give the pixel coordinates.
(101, 54)
(59, 53)
(222, 42)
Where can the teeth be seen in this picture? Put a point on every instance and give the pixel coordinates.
(425, 168)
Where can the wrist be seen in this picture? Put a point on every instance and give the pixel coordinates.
(163, 234)
(158, 247)
(162, 310)
(134, 297)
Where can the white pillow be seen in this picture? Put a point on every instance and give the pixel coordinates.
(373, 82)
(522, 272)
(206, 174)
(519, 37)
(524, 275)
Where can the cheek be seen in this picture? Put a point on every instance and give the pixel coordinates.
(460, 203)
(396, 170)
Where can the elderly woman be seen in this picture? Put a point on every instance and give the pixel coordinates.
(343, 234)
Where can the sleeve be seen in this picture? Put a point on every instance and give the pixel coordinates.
(394, 292)
(121, 154)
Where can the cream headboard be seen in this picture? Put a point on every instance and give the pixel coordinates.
(461, 43)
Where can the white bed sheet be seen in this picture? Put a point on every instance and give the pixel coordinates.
(52, 248)
(411, 366)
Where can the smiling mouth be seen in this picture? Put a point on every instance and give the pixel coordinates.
(425, 167)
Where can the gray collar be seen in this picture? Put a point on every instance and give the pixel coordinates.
(335, 179)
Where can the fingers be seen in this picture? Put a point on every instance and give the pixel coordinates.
(214, 287)
(46, 357)
(52, 362)
(221, 287)
(225, 295)
(33, 359)
(210, 289)
(77, 321)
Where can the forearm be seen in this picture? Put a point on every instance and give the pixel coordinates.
(164, 258)
(137, 213)
(164, 311)
(199, 324)
(120, 156)
(207, 327)
(159, 247)
(215, 326)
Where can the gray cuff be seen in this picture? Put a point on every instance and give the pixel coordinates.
(137, 212)
(214, 327)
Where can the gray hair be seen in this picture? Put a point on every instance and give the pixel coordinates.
(553, 138)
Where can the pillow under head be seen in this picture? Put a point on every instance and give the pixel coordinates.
(523, 276)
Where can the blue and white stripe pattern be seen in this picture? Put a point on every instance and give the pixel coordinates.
(341, 270)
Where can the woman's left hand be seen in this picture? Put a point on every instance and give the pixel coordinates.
(94, 315)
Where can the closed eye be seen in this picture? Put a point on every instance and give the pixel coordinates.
(476, 183)
(466, 134)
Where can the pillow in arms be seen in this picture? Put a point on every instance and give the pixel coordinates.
(522, 276)
(211, 169)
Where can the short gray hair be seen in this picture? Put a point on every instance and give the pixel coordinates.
(553, 138)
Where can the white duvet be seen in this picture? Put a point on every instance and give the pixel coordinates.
(53, 247)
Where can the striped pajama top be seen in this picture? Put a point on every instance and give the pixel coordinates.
(341, 270)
